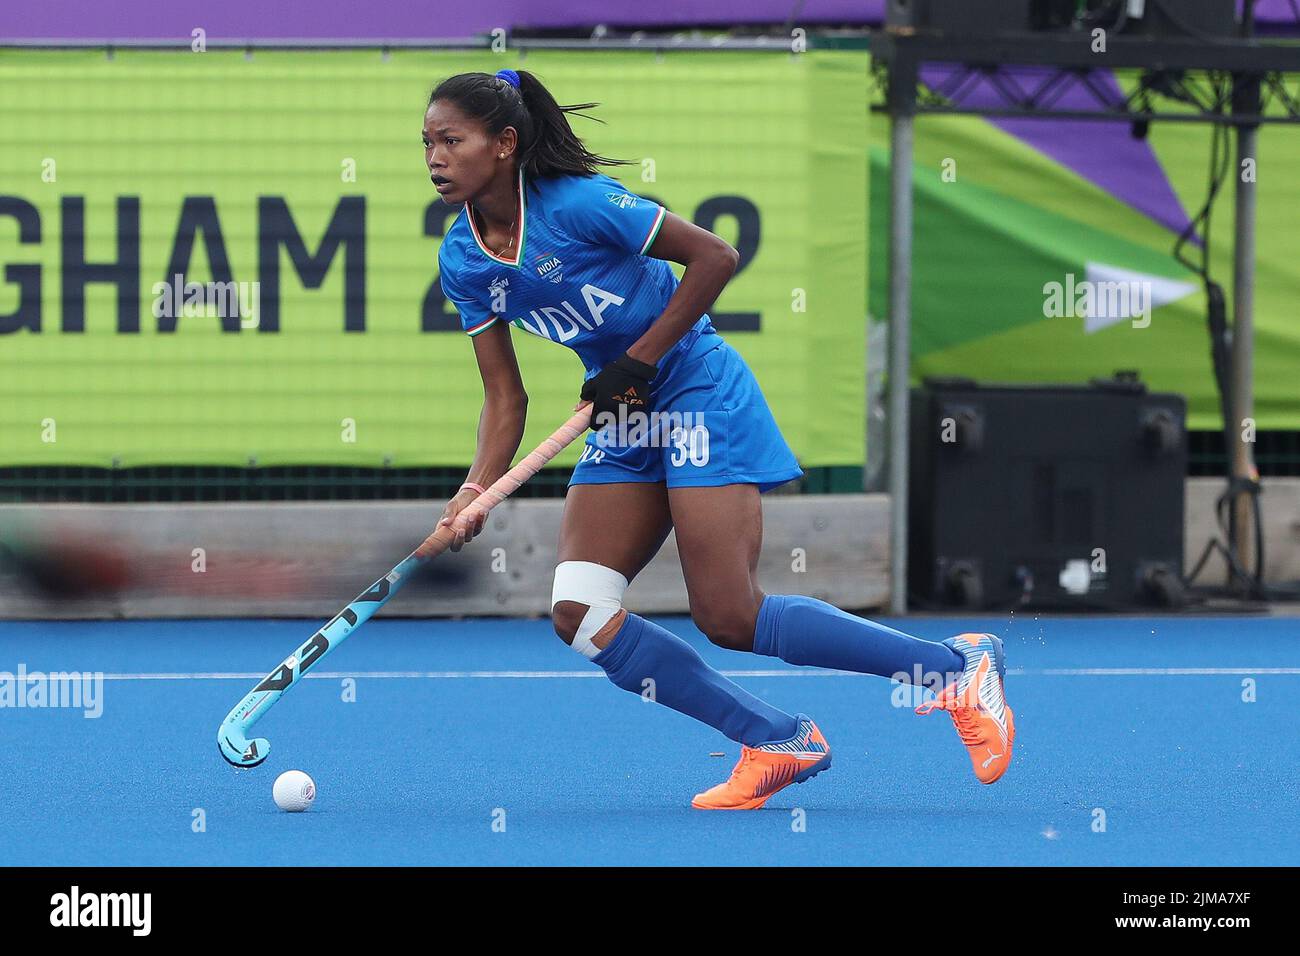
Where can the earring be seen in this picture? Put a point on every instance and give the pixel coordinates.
(503, 155)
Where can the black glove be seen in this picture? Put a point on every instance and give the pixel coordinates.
(624, 381)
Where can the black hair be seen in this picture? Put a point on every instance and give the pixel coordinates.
(547, 144)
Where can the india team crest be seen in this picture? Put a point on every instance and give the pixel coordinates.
(550, 268)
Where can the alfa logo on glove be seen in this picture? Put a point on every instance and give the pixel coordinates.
(623, 382)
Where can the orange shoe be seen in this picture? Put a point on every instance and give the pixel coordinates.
(767, 768)
(977, 705)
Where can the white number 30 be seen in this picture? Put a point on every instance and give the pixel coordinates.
(691, 444)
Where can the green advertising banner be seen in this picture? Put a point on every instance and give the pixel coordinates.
(289, 188)
(1009, 212)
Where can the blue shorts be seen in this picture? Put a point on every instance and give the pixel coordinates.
(709, 425)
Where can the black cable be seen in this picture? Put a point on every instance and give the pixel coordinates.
(1121, 20)
(1237, 574)
(1259, 536)
(1210, 547)
(1216, 308)
(1221, 506)
(1219, 160)
(1116, 13)
(1220, 357)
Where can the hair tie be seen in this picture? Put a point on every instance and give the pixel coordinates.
(510, 76)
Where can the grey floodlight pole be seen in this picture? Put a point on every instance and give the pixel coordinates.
(1245, 100)
(902, 111)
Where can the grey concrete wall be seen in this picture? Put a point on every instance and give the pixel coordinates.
(1280, 506)
(310, 559)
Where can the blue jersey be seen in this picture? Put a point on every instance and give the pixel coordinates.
(580, 275)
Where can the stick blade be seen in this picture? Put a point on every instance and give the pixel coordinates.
(239, 751)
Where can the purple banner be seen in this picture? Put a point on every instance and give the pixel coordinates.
(429, 19)
(634, 13)
(405, 20)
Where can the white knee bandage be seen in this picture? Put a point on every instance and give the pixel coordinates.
(598, 587)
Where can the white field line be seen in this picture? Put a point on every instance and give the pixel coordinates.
(570, 675)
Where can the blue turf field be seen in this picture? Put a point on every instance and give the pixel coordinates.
(454, 719)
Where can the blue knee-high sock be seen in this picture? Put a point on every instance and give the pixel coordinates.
(685, 683)
(804, 630)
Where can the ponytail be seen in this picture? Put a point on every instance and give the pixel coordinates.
(547, 144)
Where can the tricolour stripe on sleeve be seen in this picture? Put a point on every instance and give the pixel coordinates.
(654, 230)
(481, 327)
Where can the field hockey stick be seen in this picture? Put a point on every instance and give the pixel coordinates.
(232, 735)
